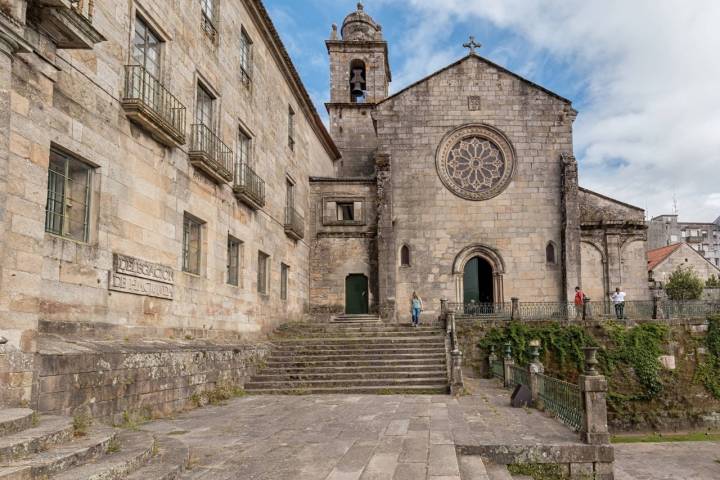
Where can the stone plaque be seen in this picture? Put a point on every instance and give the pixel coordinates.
(474, 102)
(139, 286)
(136, 276)
(140, 268)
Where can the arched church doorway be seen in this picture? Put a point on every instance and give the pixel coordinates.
(478, 282)
(356, 294)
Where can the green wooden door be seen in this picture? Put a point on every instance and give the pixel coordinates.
(478, 281)
(356, 294)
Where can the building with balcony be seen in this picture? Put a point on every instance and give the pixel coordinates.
(703, 237)
(142, 180)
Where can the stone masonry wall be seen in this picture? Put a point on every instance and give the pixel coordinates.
(70, 99)
(686, 257)
(156, 378)
(437, 225)
(341, 249)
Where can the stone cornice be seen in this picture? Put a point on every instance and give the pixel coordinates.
(275, 45)
(11, 39)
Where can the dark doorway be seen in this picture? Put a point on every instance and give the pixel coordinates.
(478, 281)
(356, 294)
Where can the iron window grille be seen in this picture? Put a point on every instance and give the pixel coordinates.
(233, 261)
(262, 273)
(67, 211)
(192, 245)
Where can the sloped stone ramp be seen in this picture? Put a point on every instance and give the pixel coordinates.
(46, 447)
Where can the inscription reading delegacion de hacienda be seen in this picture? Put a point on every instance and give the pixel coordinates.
(132, 275)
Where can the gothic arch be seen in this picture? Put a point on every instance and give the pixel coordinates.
(593, 271)
(488, 254)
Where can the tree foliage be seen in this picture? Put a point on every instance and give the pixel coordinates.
(712, 282)
(684, 284)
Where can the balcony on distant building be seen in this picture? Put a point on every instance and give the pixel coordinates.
(294, 224)
(210, 154)
(249, 188)
(147, 102)
(69, 23)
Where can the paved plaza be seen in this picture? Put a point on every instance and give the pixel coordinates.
(390, 437)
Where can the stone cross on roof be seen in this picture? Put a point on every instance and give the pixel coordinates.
(472, 44)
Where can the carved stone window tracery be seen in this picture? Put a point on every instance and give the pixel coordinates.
(475, 162)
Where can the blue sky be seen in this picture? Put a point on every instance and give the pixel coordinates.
(638, 72)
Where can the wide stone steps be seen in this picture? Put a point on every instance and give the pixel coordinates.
(49, 447)
(60, 457)
(382, 390)
(377, 358)
(50, 431)
(13, 420)
(358, 382)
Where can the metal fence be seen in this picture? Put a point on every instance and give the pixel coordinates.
(217, 156)
(473, 309)
(497, 369)
(518, 376)
(249, 183)
(167, 111)
(561, 398)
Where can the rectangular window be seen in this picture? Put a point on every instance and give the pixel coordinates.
(204, 107)
(209, 15)
(67, 212)
(192, 244)
(233, 261)
(345, 212)
(243, 150)
(146, 48)
(284, 273)
(291, 128)
(245, 56)
(262, 273)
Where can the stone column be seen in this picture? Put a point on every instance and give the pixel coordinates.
(570, 240)
(515, 312)
(593, 388)
(456, 384)
(535, 367)
(507, 363)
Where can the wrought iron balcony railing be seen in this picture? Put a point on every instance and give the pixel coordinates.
(294, 224)
(147, 102)
(248, 186)
(210, 154)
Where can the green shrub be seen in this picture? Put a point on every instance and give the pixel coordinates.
(684, 284)
(712, 282)
(708, 372)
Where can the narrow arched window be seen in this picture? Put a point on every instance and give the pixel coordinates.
(550, 256)
(405, 256)
(358, 81)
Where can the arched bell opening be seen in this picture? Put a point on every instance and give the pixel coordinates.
(358, 82)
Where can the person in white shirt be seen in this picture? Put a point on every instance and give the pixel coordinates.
(618, 299)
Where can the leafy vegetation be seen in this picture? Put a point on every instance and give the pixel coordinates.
(684, 284)
(712, 282)
(81, 422)
(708, 372)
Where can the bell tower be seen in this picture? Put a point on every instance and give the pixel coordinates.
(359, 79)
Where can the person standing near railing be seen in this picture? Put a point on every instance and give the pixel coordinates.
(579, 300)
(618, 299)
(416, 306)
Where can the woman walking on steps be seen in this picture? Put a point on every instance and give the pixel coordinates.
(416, 307)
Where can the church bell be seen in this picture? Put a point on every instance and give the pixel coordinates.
(357, 83)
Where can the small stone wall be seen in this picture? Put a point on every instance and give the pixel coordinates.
(16, 376)
(155, 377)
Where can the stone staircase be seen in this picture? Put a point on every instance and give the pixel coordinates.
(354, 354)
(49, 447)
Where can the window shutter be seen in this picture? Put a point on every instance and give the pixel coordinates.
(330, 212)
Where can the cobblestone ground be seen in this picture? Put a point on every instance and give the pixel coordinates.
(668, 461)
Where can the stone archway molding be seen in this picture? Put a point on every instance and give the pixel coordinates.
(492, 256)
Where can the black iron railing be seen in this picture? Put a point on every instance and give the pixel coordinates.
(208, 152)
(294, 223)
(248, 185)
(163, 108)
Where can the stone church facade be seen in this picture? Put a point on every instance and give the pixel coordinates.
(164, 174)
(469, 191)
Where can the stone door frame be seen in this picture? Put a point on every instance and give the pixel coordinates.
(488, 254)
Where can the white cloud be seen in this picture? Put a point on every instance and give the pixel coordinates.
(650, 124)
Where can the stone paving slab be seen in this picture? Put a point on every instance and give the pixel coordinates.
(668, 461)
